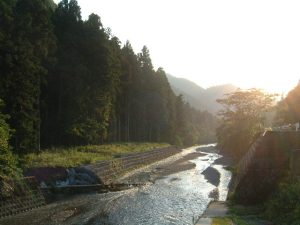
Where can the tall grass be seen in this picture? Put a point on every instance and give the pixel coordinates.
(81, 155)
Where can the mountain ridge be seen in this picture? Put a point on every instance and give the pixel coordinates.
(200, 98)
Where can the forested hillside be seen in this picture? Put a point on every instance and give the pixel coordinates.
(65, 81)
(198, 97)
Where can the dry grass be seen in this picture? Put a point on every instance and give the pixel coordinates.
(221, 221)
(81, 155)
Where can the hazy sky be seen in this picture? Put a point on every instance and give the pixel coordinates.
(254, 43)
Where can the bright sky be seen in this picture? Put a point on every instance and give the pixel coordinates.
(247, 43)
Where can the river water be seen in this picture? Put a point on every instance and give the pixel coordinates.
(179, 198)
(174, 199)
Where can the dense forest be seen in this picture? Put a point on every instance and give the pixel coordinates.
(65, 81)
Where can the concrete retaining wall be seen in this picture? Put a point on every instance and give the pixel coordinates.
(108, 170)
(24, 195)
(295, 163)
(265, 164)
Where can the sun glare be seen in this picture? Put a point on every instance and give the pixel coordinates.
(248, 44)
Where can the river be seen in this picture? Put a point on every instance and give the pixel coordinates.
(179, 198)
(174, 199)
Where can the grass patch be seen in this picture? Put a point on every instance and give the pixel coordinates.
(241, 210)
(246, 215)
(284, 205)
(233, 219)
(221, 221)
(81, 155)
(240, 221)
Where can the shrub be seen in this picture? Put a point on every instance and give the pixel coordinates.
(284, 207)
(8, 162)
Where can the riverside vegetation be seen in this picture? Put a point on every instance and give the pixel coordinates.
(81, 155)
(282, 208)
(243, 117)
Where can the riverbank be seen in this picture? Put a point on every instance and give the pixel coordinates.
(82, 155)
(227, 213)
(178, 163)
(174, 191)
(174, 164)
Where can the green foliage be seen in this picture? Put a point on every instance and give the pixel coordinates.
(246, 215)
(288, 109)
(221, 221)
(81, 93)
(145, 60)
(26, 40)
(284, 207)
(76, 156)
(241, 210)
(240, 221)
(241, 119)
(148, 110)
(8, 162)
(69, 82)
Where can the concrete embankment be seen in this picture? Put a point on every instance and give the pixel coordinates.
(103, 173)
(267, 162)
(100, 177)
(214, 210)
(108, 171)
(173, 197)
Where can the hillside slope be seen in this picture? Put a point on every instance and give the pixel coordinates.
(198, 97)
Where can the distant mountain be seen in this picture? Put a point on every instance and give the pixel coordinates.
(214, 93)
(185, 85)
(198, 97)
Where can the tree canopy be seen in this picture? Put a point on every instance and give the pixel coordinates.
(288, 109)
(8, 163)
(241, 119)
(66, 81)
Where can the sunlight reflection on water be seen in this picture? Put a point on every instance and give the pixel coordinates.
(175, 199)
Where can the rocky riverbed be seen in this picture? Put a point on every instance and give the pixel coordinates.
(176, 190)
